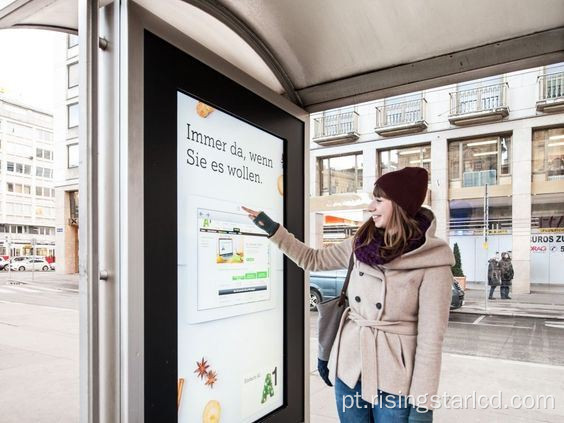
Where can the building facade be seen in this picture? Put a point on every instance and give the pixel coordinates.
(66, 148)
(494, 150)
(27, 196)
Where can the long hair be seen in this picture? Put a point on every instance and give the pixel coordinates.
(399, 231)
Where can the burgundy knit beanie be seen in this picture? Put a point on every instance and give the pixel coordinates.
(407, 187)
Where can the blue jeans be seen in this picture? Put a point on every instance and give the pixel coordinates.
(391, 408)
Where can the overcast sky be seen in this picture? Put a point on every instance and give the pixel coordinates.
(27, 65)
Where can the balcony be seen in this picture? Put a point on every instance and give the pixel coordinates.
(479, 105)
(338, 128)
(401, 118)
(551, 93)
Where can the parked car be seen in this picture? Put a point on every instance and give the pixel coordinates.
(37, 263)
(52, 265)
(324, 286)
(3, 263)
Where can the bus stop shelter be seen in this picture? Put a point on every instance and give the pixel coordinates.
(294, 56)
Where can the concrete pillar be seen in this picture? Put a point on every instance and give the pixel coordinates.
(521, 206)
(316, 230)
(439, 184)
(369, 169)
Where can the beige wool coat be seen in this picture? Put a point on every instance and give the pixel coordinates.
(391, 334)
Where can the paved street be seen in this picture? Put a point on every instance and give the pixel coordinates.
(485, 354)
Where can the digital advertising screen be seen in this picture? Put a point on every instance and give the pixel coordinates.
(230, 278)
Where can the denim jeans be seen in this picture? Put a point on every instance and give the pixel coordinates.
(391, 408)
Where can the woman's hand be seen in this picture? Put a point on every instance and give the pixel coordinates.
(252, 213)
(262, 221)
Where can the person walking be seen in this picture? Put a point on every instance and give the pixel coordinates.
(493, 275)
(506, 275)
(386, 358)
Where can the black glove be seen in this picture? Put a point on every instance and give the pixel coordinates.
(323, 371)
(266, 224)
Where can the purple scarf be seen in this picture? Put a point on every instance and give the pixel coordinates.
(370, 254)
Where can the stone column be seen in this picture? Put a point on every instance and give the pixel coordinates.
(316, 230)
(521, 206)
(439, 184)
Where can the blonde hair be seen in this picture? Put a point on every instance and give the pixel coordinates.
(399, 231)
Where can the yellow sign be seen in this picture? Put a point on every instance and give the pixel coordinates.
(485, 245)
(551, 230)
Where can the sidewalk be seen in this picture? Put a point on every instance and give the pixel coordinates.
(543, 302)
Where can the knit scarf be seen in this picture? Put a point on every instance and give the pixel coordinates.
(370, 254)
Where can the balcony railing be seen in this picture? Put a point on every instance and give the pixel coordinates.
(393, 119)
(499, 225)
(336, 128)
(551, 92)
(479, 178)
(478, 105)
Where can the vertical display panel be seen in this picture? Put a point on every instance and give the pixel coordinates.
(224, 310)
(230, 278)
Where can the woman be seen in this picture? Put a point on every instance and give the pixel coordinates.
(387, 354)
(506, 274)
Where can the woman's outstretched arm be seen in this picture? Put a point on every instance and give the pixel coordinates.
(331, 258)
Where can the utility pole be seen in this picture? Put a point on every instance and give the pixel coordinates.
(486, 229)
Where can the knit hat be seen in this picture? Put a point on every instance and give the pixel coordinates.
(407, 187)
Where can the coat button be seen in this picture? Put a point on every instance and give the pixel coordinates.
(357, 299)
(361, 273)
(378, 306)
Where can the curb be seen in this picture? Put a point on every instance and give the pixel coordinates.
(510, 314)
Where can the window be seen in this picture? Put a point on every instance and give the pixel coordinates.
(18, 130)
(43, 172)
(44, 135)
(398, 158)
(41, 153)
(72, 75)
(480, 161)
(548, 153)
(340, 174)
(72, 153)
(72, 41)
(72, 115)
(18, 168)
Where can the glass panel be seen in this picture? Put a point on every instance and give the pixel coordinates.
(343, 174)
(324, 171)
(539, 143)
(480, 162)
(72, 115)
(73, 75)
(72, 155)
(359, 172)
(505, 147)
(555, 154)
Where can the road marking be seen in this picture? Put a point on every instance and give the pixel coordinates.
(558, 324)
(6, 291)
(497, 326)
(478, 319)
(21, 288)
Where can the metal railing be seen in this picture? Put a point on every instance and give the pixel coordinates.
(336, 124)
(481, 99)
(551, 86)
(401, 113)
(479, 178)
(496, 225)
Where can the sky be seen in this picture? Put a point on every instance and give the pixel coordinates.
(27, 65)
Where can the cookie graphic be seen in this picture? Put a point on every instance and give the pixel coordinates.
(212, 412)
(281, 185)
(203, 110)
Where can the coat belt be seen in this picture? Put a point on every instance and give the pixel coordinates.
(368, 348)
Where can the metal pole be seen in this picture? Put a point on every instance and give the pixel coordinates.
(8, 243)
(33, 260)
(486, 224)
(88, 212)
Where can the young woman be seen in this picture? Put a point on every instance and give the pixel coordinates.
(386, 359)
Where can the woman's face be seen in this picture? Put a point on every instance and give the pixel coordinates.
(381, 210)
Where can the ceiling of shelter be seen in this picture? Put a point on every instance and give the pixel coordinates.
(331, 53)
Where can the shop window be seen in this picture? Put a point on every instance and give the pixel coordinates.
(340, 174)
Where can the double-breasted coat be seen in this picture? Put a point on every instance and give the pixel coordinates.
(391, 334)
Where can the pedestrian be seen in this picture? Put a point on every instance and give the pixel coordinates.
(506, 275)
(386, 359)
(493, 275)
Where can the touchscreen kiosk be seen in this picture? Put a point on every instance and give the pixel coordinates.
(224, 321)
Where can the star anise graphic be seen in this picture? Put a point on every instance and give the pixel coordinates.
(212, 378)
(202, 369)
